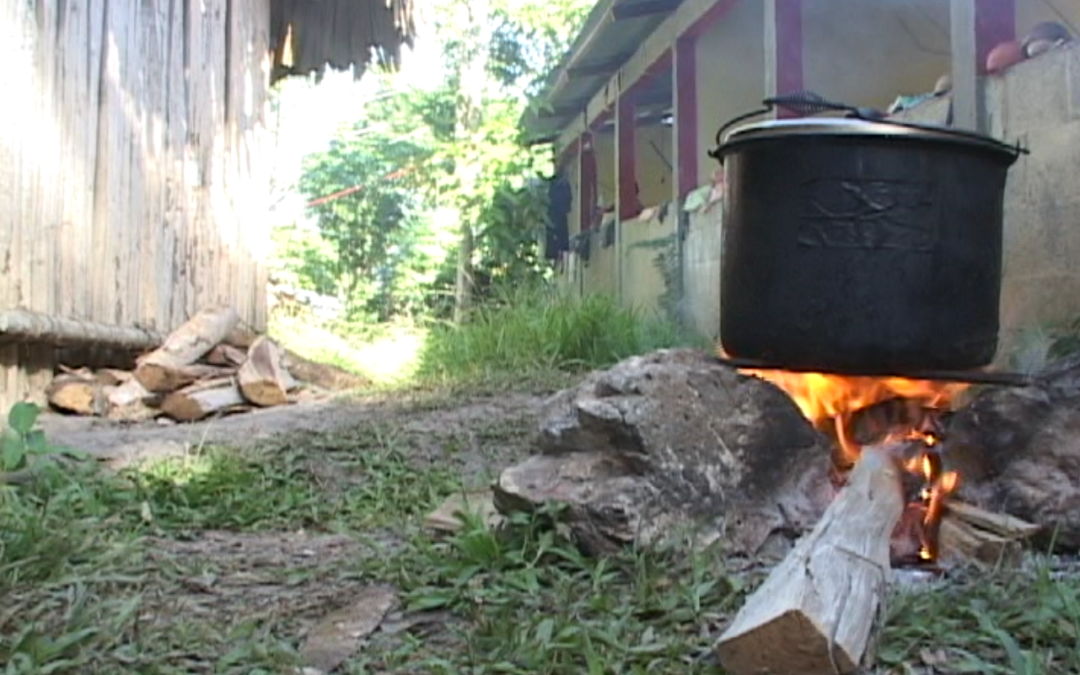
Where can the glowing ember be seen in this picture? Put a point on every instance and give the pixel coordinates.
(834, 403)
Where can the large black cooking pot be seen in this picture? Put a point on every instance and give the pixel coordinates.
(855, 245)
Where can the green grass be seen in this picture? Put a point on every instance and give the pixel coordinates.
(534, 334)
(534, 331)
(95, 579)
(1017, 623)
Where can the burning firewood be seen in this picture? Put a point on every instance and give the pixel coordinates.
(816, 610)
(167, 368)
(973, 535)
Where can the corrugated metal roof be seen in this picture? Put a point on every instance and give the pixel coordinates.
(612, 32)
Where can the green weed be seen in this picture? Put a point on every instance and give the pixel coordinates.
(84, 591)
(532, 331)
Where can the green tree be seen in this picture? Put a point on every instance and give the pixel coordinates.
(363, 191)
(454, 149)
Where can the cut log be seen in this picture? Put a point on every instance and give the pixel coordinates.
(998, 523)
(969, 534)
(113, 376)
(20, 325)
(226, 355)
(131, 392)
(186, 345)
(815, 613)
(324, 375)
(161, 379)
(241, 336)
(136, 411)
(130, 402)
(261, 378)
(77, 394)
(203, 399)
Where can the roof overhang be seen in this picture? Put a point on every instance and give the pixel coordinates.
(612, 33)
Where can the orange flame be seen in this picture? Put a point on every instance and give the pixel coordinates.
(831, 402)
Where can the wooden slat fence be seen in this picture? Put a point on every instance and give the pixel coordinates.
(132, 191)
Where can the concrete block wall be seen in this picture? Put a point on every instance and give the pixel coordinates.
(643, 240)
(1038, 104)
(701, 271)
(598, 272)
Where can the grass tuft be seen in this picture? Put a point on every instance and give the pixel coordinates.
(535, 330)
(220, 562)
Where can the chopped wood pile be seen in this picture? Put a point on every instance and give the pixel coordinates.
(210, 365)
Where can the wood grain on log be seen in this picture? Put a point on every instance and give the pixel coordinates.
(241, 336)
(969, 534)
(187, 344)
(76, 394)
(162, 379)
(113, 376)
(226, 355)
(20, 325)
(261, 378)
(815, 612)
(203, 399)
(131, 392)
(131, 402)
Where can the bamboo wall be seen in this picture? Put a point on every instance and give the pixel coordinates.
(131, 187)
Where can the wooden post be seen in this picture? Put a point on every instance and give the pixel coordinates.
(784, 68)
(977, 26)
(587, 181)
(627, 204)
(686, 116)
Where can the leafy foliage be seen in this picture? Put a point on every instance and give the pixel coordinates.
(21, 442)
(364, 194)
(394, 189)
(529, 38)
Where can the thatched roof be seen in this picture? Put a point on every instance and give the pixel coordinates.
(308, 35)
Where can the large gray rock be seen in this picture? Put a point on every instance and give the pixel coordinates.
(1018, 452)
(672, 441)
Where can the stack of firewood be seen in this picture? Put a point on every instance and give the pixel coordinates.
(208, 366)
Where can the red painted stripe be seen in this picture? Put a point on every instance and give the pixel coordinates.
(686, 109)
(661, 66)
(995, 22)
(789, 50)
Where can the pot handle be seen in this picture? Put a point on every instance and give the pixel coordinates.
(810, 103)
(802, 102)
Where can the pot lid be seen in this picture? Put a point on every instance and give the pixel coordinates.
(849, 127)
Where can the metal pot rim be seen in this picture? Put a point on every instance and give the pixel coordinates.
(836, 127)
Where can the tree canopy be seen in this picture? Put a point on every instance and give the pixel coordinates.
(431, 183)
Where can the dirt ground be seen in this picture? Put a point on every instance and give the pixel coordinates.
(120, 445)
(291, 579)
